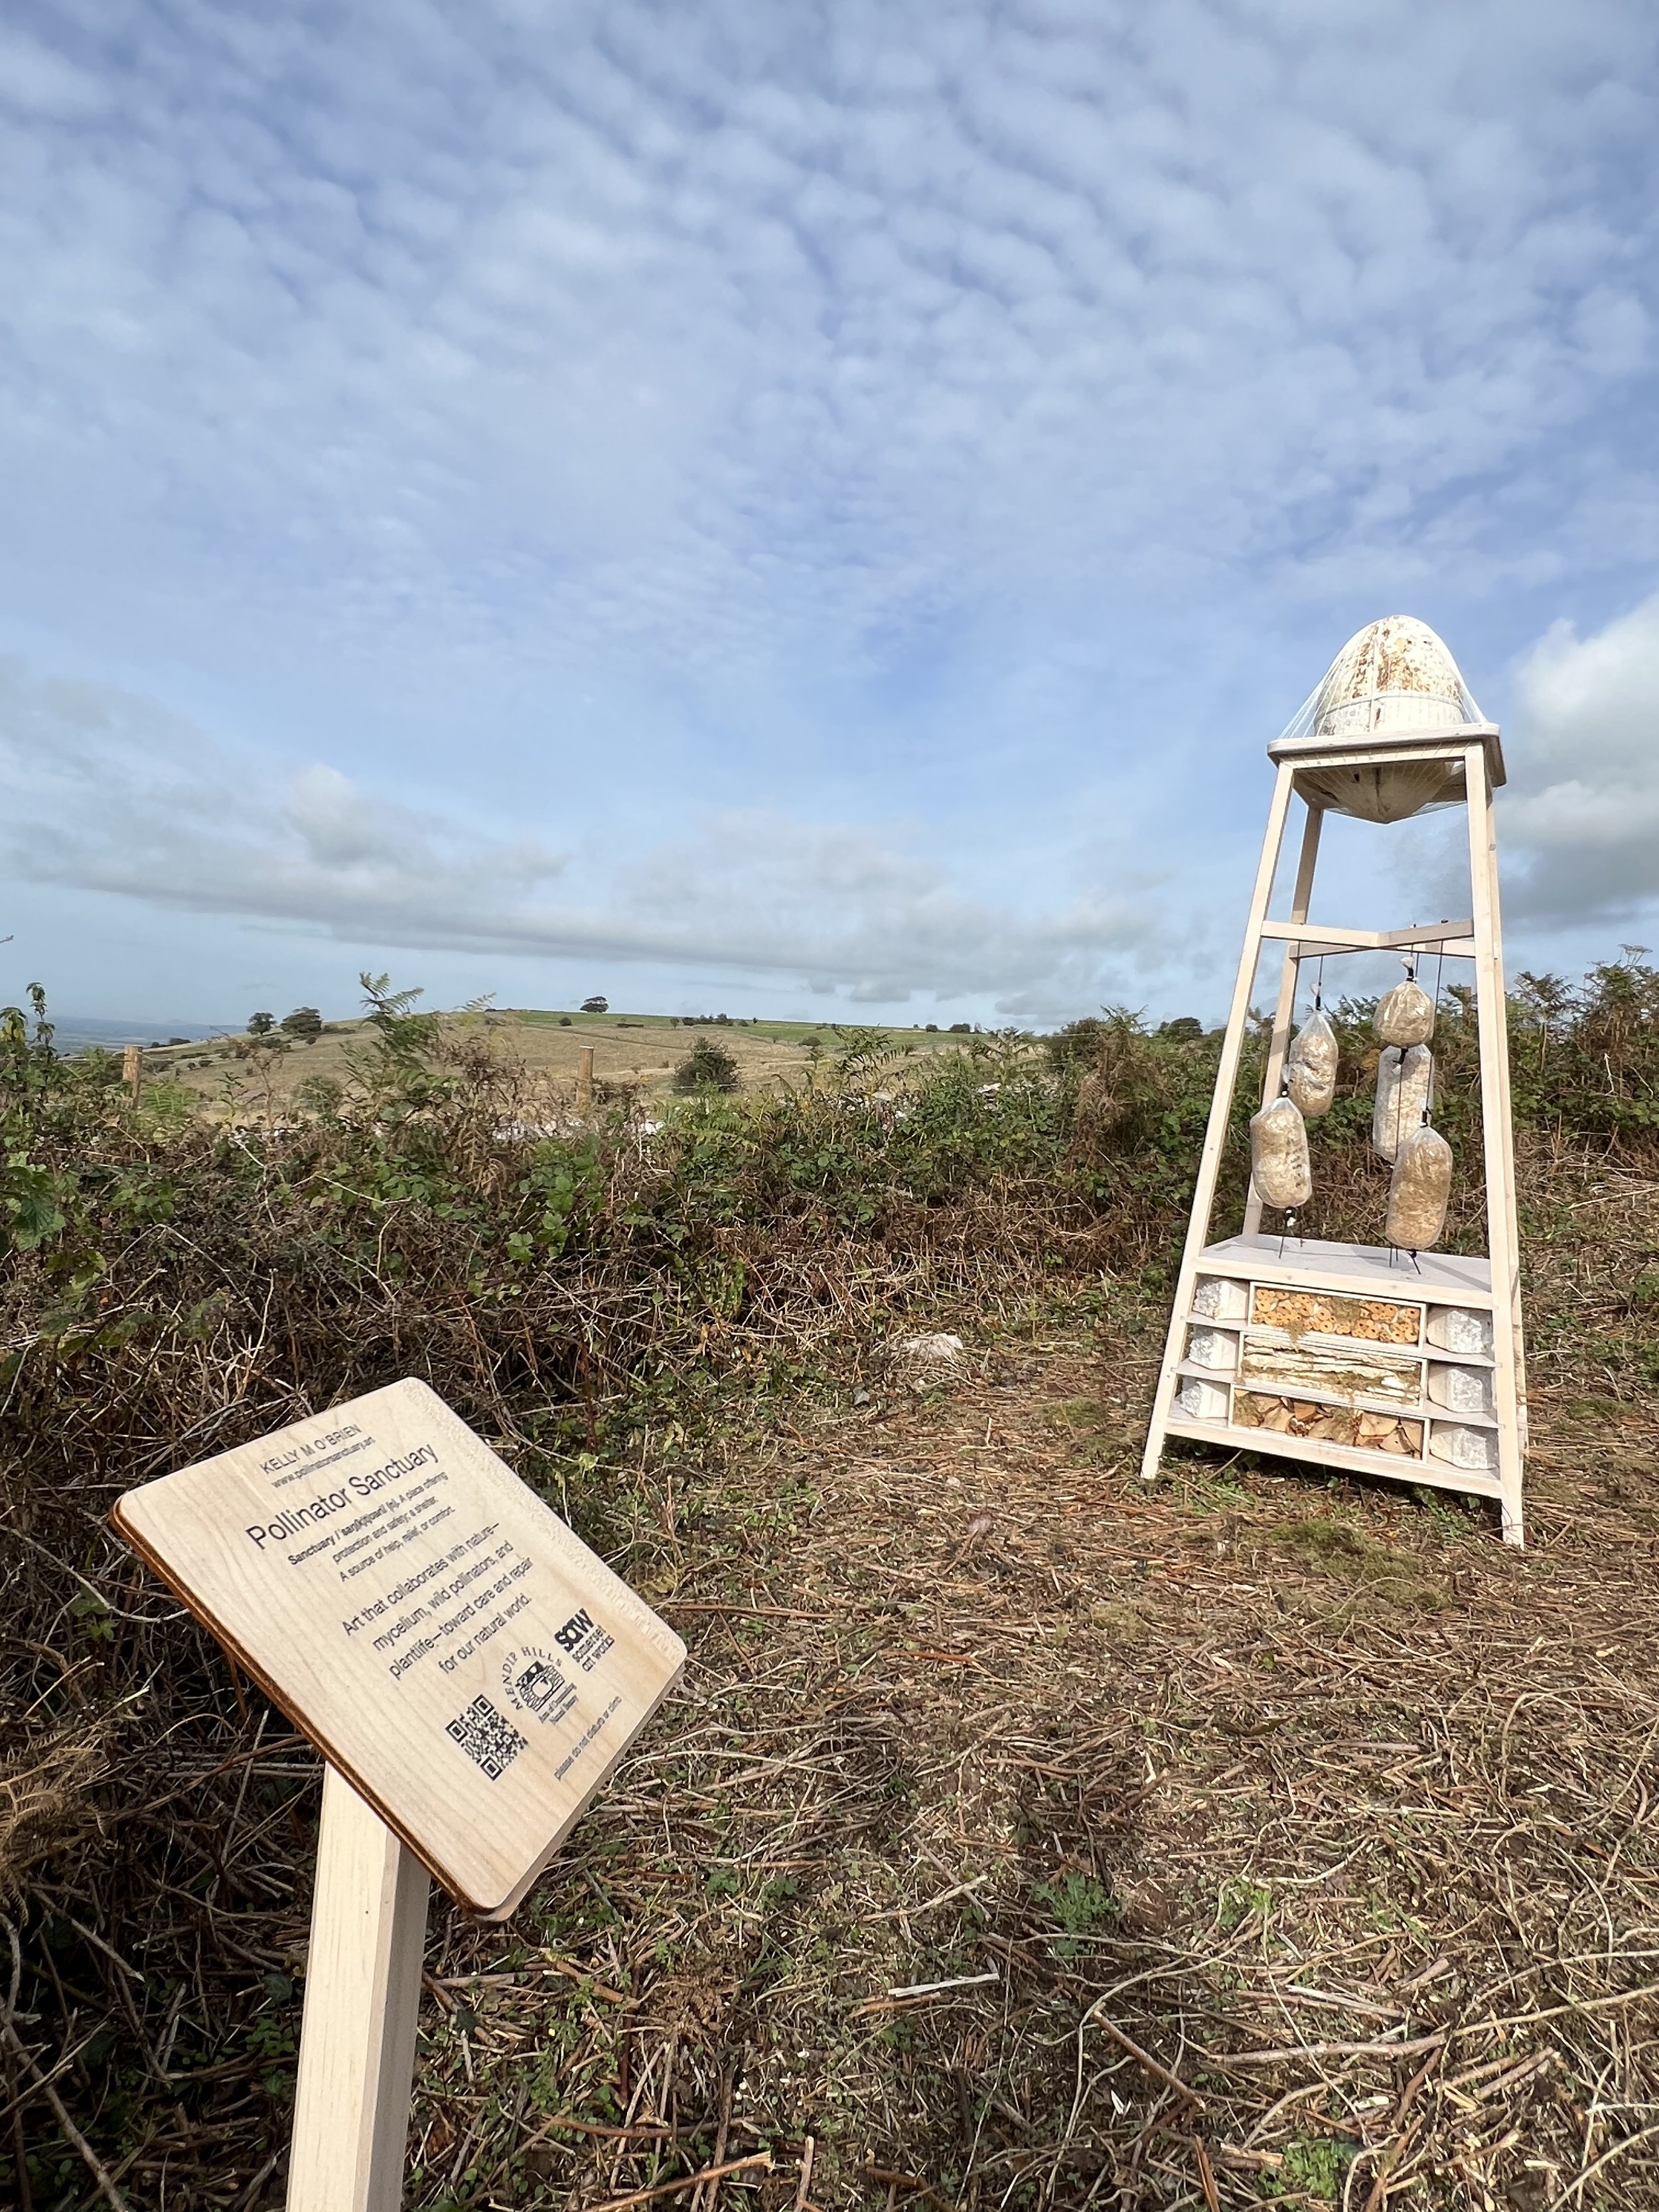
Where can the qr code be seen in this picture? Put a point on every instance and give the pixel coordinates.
(487, 1737)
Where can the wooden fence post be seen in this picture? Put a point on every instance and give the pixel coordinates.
(584, 1080)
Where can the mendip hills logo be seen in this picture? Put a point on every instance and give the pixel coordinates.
(533, 1686)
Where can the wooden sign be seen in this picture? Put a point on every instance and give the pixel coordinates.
(462, 1658)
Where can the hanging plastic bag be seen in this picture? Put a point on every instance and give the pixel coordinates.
(1310, 1066)
(1419, 1190)
(1405, 1092)
(1405, 1016)
(1278, 1155)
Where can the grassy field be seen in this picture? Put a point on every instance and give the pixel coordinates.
(1021, 1837)
(636, 1052)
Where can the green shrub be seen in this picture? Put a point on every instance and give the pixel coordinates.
(708, 1066)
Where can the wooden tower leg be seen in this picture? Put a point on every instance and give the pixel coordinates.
(362, 1996)
(1215, 1136)
(1279, 1044)
(1502, 1240)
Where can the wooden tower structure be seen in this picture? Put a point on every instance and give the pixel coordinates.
(1360, 1356)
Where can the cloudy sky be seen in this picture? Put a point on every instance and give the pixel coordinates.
(798, 509)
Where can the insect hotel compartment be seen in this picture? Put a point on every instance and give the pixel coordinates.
(1357, 1373)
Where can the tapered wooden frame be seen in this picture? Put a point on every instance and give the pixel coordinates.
(1476, 747)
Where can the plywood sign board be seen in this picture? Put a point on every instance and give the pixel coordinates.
(440, 1634)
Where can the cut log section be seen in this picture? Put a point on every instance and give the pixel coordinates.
(1334, 1425)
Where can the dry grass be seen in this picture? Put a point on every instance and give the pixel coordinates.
(1281, 1836)
(631, 1054)
(1287, 1838)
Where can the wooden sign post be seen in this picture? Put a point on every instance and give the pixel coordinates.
(362, 1999)
(469, 1669)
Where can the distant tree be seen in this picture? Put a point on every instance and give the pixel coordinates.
(1082, 1044)
(564, 1021)
(707, 1067)
(304, 1021)
(933, 1029)
(961, 1029)
(596, 1005)
(261, 1025)
(1183, 1029)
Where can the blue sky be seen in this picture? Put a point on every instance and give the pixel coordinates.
(798, 509)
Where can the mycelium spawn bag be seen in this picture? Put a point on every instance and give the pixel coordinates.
(1405, 1092)
(1419, 1190)
(1278, 1155)
(1405, 1016)
(1310, 1064)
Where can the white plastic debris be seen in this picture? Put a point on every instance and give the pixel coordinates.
(927, 1362)
(1310, 1064)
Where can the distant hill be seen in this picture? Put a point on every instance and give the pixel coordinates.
(84, 1032)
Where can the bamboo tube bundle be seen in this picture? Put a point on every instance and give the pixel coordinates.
(1310, 1064)
(1405, 1092)
(1419, 1190)
(1278, 1155)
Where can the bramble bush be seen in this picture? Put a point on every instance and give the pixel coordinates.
(589, 1296)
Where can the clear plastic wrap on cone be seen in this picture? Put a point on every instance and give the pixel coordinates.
(1405, 1092)
(1310, 1066)
(1405, 1016)
(1278, 1155)
(1419, 1190)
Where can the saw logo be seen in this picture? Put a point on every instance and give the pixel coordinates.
(582, 1639)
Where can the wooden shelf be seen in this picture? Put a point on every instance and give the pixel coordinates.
(1319, 1341)
(1419, 1409)
(1366, 1271)
(1437, 1474)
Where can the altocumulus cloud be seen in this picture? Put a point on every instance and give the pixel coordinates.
(763, 340)
(106, 793)
(857, 413)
